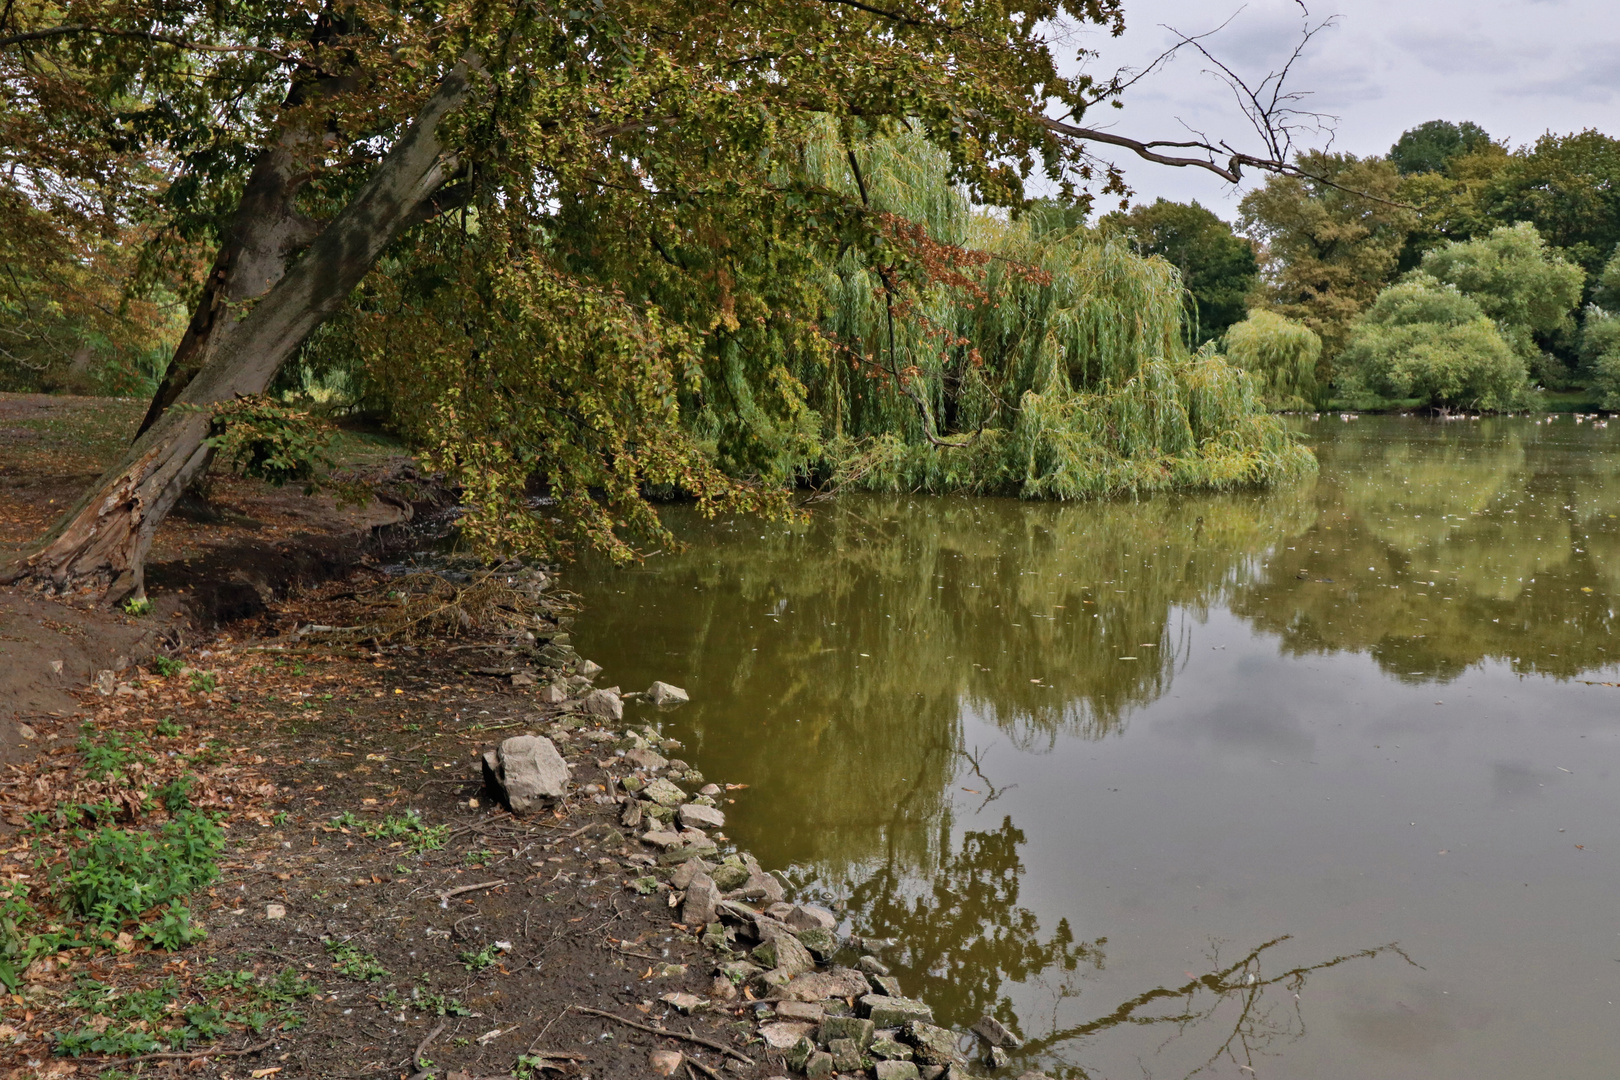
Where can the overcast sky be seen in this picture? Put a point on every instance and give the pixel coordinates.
(1518, 68)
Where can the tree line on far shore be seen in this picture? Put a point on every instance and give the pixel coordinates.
(1452, 272)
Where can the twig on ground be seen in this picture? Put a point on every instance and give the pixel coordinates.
(444, 897)
(668, 1034)
(692, 1062)
(422, 1071)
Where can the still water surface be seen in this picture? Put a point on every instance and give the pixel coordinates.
(1319, 783)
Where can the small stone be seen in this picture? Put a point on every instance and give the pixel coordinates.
(702, 901)
(888, 984)
(783, 1034)
(27, 732)
(632, 784)
(553, 695)
(995, 1033)
(687, 871)
(739, 971)
(785, 953)
(694, 816)
(895, 1070)
(646, 886)
(824, 985)
(275, 911)
(852, 1028)
(662, 693)
(722, 989)
(56, 667)
(589, 669)
(889, 1050)
(820, 1064)
(804, 1011)
(630, 818)
(798, 1055)
(711, 790)
(677, 765)
(872, 965)
(105, 682)
(931, 1072)
(604, 703)
(996, 1058)
(645, 759)
(685, 1004)
(522, 678)
(664, 793)
(665, 1062)
(810, 917)
(524, 770)
(846, 1056)
(894, 1011)
(821, 943)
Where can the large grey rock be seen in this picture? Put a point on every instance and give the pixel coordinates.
(996, 1058)
(798, 1055)
(645, 759)
(895, 1070)
(694, 816)
(784, 953)
(730, 874)
(687, 871)
(995, 1033)
(819, 1065)
(889, 1050)
(665, 839)
(933, 1045)
(525, 770)
(664, 793)
(702, 900)
(825, 985)
(784, 1034)
(662, 693)
(846, 1056)
(808, 1012)
(821, 943)
(852, 1028)
(604, 703)
(759, 886)
(887, 1011)
(810, 917)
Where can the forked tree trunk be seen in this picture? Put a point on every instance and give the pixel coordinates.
(101, 543)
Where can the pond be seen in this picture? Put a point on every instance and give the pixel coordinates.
(1320, 782)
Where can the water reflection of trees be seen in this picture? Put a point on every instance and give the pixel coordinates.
(1437, 546)
(1237, 1013)
(965, 938)
(831, 662)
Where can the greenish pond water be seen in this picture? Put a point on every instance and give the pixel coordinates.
(1320, 783)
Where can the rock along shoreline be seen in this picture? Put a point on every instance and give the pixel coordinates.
(821, 1002)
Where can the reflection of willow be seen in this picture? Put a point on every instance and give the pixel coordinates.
(1509, 521)
(1231, 1002)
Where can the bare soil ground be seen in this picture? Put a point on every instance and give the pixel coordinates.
(373, 914)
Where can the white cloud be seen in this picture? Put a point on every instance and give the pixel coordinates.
(1517, 68)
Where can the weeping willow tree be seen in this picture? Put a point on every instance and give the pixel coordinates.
(1281, 354)
(996, 355)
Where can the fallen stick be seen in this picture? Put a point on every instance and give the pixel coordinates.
(668, 1034)
(171, 1056)
(422, 1071)
(444, 897)
(713, 1074)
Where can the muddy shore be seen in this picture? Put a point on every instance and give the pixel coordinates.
(375, 909)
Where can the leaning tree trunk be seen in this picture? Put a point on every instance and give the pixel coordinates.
(101, 543)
